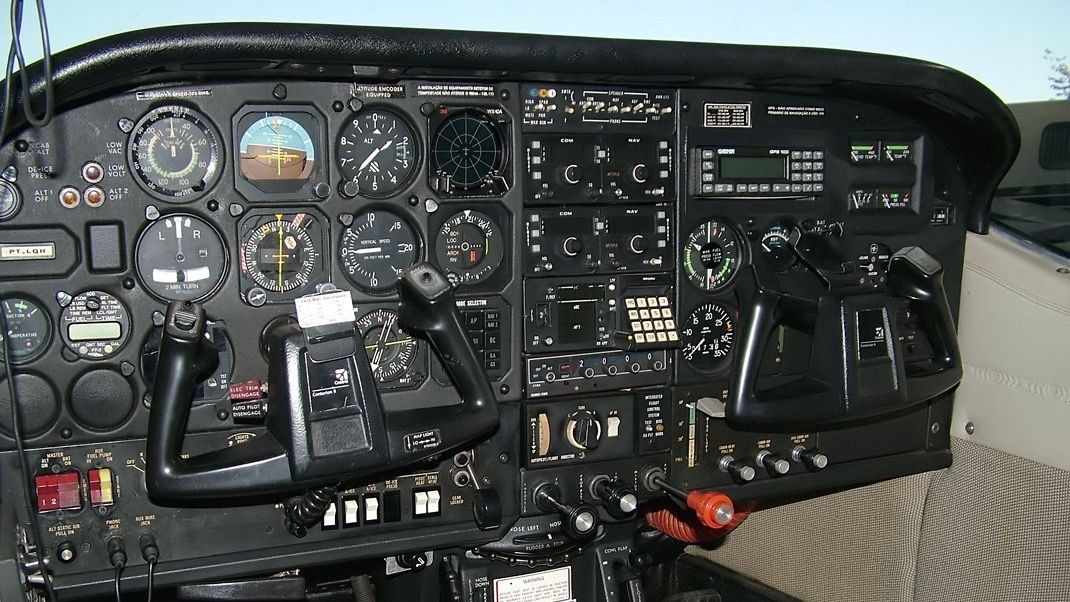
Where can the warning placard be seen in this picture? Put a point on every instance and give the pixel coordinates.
(548, 586)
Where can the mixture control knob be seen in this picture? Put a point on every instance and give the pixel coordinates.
(572, 174)
(572, 246)
(811, 457)
(578, 522)
(584, 430)
(773, 463)
(619, 499)
(638, 244)
(640, 173)
(740, 472)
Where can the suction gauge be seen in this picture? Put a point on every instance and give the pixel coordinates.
(28, 329)
(181, 258)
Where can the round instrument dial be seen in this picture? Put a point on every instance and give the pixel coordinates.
(376, 248)
(376, 154)
(469, 247)
(707, 337)
(276, 153)
(95, 325)
(776, 237)
(181, 257)
(712, 256)
(391, 351)
(28, 329)
(466, 150)
(175, 153)
(279, 254)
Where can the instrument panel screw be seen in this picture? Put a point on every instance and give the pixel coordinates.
(504, 389)
(126, 368)
(346, 219)
(213, 205)
(158, 318)
(504, 94)
(685, 106)
(503, 458)
(66, 433)
(355, 104)
(21, 145)
(222, 414)
(152, 213)
(338, 106)
(235, 209)
(279, 92)
(126, 125)
(414, 200)
(935, 428)
(322, 190)
(64, 298)
(969, 428)
(128, 283)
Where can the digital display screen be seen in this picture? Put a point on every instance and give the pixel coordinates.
(95, 331)
(577, 313)
(753, 168)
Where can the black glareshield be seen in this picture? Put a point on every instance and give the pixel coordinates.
(325, 418)
(858, 368)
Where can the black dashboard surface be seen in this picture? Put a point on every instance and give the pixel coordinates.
(597, 204)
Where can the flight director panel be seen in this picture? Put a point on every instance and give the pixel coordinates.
(599, 241)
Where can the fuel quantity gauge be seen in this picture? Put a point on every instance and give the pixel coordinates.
(281, 255)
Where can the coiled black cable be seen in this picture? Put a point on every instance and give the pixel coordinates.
(306, 510)
(20, 445)
(14, 55)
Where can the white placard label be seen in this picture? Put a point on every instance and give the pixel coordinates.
(335, 307)
(547, 586)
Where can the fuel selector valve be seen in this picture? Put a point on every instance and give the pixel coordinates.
(579, 522)
(619, 499)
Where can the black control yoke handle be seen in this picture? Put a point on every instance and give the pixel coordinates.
(262, 465)
(857, 368)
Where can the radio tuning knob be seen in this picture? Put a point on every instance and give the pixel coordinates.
(583, 430)
(640, 173)
(773, 463)
(572, 174)
(578, 522)
(638, 244)
(572, 246)
(740, 472)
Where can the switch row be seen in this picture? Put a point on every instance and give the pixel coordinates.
(375, 508)
(63, 490)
